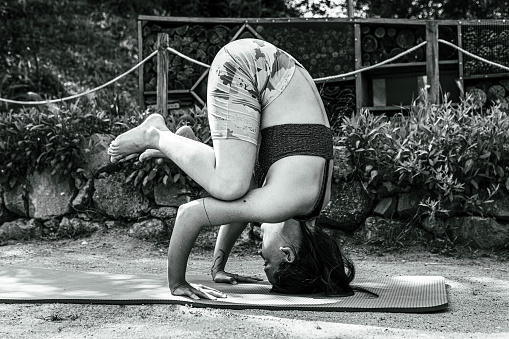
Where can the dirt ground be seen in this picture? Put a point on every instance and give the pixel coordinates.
(478, 291)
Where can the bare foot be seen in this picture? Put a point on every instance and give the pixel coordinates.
(187, 132)
(151, 153)
(184, 131)
(135, 140)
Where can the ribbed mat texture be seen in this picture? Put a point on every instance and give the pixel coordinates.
(34, 285)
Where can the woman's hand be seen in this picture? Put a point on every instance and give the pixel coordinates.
(230, 278)
(196, 291)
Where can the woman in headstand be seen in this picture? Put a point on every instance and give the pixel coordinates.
(266, 117)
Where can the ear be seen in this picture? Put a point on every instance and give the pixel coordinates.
(311, 224)
(289, 254)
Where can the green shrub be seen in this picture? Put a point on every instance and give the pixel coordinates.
(454, 155)
(146, 175)
(34, 139)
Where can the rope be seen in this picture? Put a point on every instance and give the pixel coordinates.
(82, 94)
(324, 79)
(473, 55)
(186, 57)
(372, 66)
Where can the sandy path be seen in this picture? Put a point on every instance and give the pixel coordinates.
(478, 295)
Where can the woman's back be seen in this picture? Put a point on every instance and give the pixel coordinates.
(299, 103)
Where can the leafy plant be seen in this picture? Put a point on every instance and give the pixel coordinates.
(456, 155)
(34, 139)
(146, 175)
(366, 137)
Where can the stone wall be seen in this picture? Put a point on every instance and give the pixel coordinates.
(50, 207)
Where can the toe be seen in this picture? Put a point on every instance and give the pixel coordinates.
(111, 150)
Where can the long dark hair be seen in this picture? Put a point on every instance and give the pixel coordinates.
(319, 266)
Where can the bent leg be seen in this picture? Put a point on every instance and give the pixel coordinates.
(234, 118)
(184, 131)
(224, 171)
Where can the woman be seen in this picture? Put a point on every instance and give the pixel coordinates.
(267, 118)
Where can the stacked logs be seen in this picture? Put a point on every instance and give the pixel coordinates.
(379, 43)
(339, 102)
(488, 42)
(486, 93)
(322, 51)
(195, 41)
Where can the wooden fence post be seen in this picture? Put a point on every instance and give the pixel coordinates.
(432, 66)
(162, 73)
(349, 9)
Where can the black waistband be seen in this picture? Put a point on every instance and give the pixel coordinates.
(281, 141)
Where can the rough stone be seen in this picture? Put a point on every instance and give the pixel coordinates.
(343, 165)
(206, 240)
(73, 227)
(386, 207)
(117, 199)
(255, 231)
(245, 239)
(169, 224)
(498, 209)
(5, 214)
(49, 195)
(450, 209)
(408, 205)
(87, 216)
(84, 197)
(349, 206)
(436, 226)
(110, 224)
(15, 200)
(79, 182)
(50, 228)
(377, 230)
(478, 232)
(20, 229)
(96, 158)
(151, 229)
(170, 195)
(164, 212)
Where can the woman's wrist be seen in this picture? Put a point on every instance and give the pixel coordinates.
(219, 263)
(215, 270)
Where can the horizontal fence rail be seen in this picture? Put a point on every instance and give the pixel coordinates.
(324, 79)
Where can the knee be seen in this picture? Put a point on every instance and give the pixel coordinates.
(187, 211)
(228, 189)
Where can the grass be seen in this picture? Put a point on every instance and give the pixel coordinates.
(67, 47)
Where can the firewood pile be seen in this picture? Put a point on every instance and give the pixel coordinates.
(487, 92)
(195, 41)
(380, 43)
(322, 51)
(339, 101)
(490, 42)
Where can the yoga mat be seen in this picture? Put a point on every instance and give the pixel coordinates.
(412, 294)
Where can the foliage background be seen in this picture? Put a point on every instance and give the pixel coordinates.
(50, 48)
(53, 48)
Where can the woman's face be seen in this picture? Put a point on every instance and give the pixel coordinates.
(278, 243)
